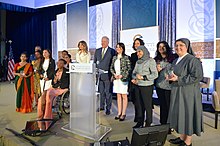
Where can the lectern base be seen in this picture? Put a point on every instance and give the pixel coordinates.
(100, 133)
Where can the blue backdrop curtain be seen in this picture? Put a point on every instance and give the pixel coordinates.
(28, 29)
(167, 20)
(10, 7)
(116, 22)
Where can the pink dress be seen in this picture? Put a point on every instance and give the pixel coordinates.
(44, 109)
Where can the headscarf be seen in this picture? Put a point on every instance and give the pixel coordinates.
(188, 46)
(145, 56)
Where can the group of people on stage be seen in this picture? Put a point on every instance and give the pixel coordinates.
(175, 76)
(41, 80)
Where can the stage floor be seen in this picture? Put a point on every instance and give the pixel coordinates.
(57, 137)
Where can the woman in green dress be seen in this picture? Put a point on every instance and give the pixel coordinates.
(23, 72)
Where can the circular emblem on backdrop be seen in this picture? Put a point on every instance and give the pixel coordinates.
(137, 36)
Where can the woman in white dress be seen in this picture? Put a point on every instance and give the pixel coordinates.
(83, 55)
(120, 69)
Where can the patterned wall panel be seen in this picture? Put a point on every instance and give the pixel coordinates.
(217, 48)
(195, 20)
(203, 50)
(201, 21)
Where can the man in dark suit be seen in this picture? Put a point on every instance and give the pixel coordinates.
(103, 58)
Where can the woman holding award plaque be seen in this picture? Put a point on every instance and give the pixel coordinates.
(164, 58)
(23, 72)
(185, 114)
(143, 76)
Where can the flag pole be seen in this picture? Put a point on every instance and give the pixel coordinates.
(10, 42)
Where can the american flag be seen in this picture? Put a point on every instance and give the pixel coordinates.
(11, 65)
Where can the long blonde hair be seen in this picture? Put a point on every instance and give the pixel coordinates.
(84, 45)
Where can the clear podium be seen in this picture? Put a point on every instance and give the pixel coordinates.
(84, 102)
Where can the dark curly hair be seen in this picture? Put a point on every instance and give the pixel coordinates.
(169, 52)
(140, 40)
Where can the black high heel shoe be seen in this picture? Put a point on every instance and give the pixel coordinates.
(122, 118)
(176, 141)
(117, 117)
(139, 125)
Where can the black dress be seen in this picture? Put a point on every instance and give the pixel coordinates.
(133, 59)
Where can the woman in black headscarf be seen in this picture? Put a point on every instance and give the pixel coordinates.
(143, 76)
(185, 114)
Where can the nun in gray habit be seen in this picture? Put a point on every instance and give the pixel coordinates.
(185, 113)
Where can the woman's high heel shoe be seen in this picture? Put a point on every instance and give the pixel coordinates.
(122, 118)
(117, 117)
(176, 141)
(138, 125)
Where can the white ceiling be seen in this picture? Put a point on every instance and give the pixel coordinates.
(36, 3)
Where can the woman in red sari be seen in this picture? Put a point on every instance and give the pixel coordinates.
(23, 72)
